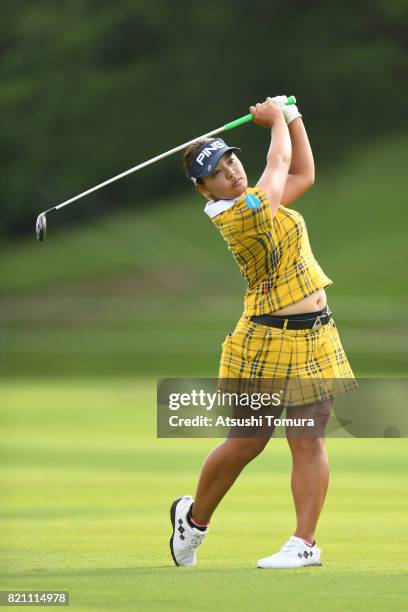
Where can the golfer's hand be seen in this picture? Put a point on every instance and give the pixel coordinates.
(290, 111)
(266, 113)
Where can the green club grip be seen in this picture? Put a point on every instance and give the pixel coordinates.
(246, 118)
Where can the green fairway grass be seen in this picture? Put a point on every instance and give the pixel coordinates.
(154, 291)
(86, 488)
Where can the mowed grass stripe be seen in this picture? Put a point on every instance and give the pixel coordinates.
(85, 510)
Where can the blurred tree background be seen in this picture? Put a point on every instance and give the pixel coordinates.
(133, 283)
(133, 280)
(93, 87)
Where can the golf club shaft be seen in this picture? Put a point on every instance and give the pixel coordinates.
(136, 168)
(227, 126)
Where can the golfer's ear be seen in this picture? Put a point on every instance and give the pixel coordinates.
(201, 189)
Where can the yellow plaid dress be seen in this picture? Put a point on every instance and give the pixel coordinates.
(276, 260)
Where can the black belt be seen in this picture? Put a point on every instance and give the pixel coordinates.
(307, 320)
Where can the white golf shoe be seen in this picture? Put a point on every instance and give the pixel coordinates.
(295, 553)
(185, 539)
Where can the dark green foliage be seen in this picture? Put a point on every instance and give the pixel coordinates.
(90, 88)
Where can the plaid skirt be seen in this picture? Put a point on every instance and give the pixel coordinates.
(305, 365)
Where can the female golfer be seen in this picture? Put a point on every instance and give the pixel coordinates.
(286, 331)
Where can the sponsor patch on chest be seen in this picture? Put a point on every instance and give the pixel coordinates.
(252, 201)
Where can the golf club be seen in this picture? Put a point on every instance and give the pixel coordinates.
(41, 224)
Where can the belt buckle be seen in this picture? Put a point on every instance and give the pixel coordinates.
(317, 324)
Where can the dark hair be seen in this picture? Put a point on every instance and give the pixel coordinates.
(189, 154)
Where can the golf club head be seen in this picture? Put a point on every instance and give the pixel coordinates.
(41, 227)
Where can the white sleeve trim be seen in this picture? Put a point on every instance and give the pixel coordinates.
(212, 209)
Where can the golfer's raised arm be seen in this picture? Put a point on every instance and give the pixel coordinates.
(274, 177)
(302, 169)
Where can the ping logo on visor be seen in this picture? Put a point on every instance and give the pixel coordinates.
(207, 158)
(208, 150)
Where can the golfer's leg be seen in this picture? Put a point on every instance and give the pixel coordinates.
(219, 472)
(310, 470)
